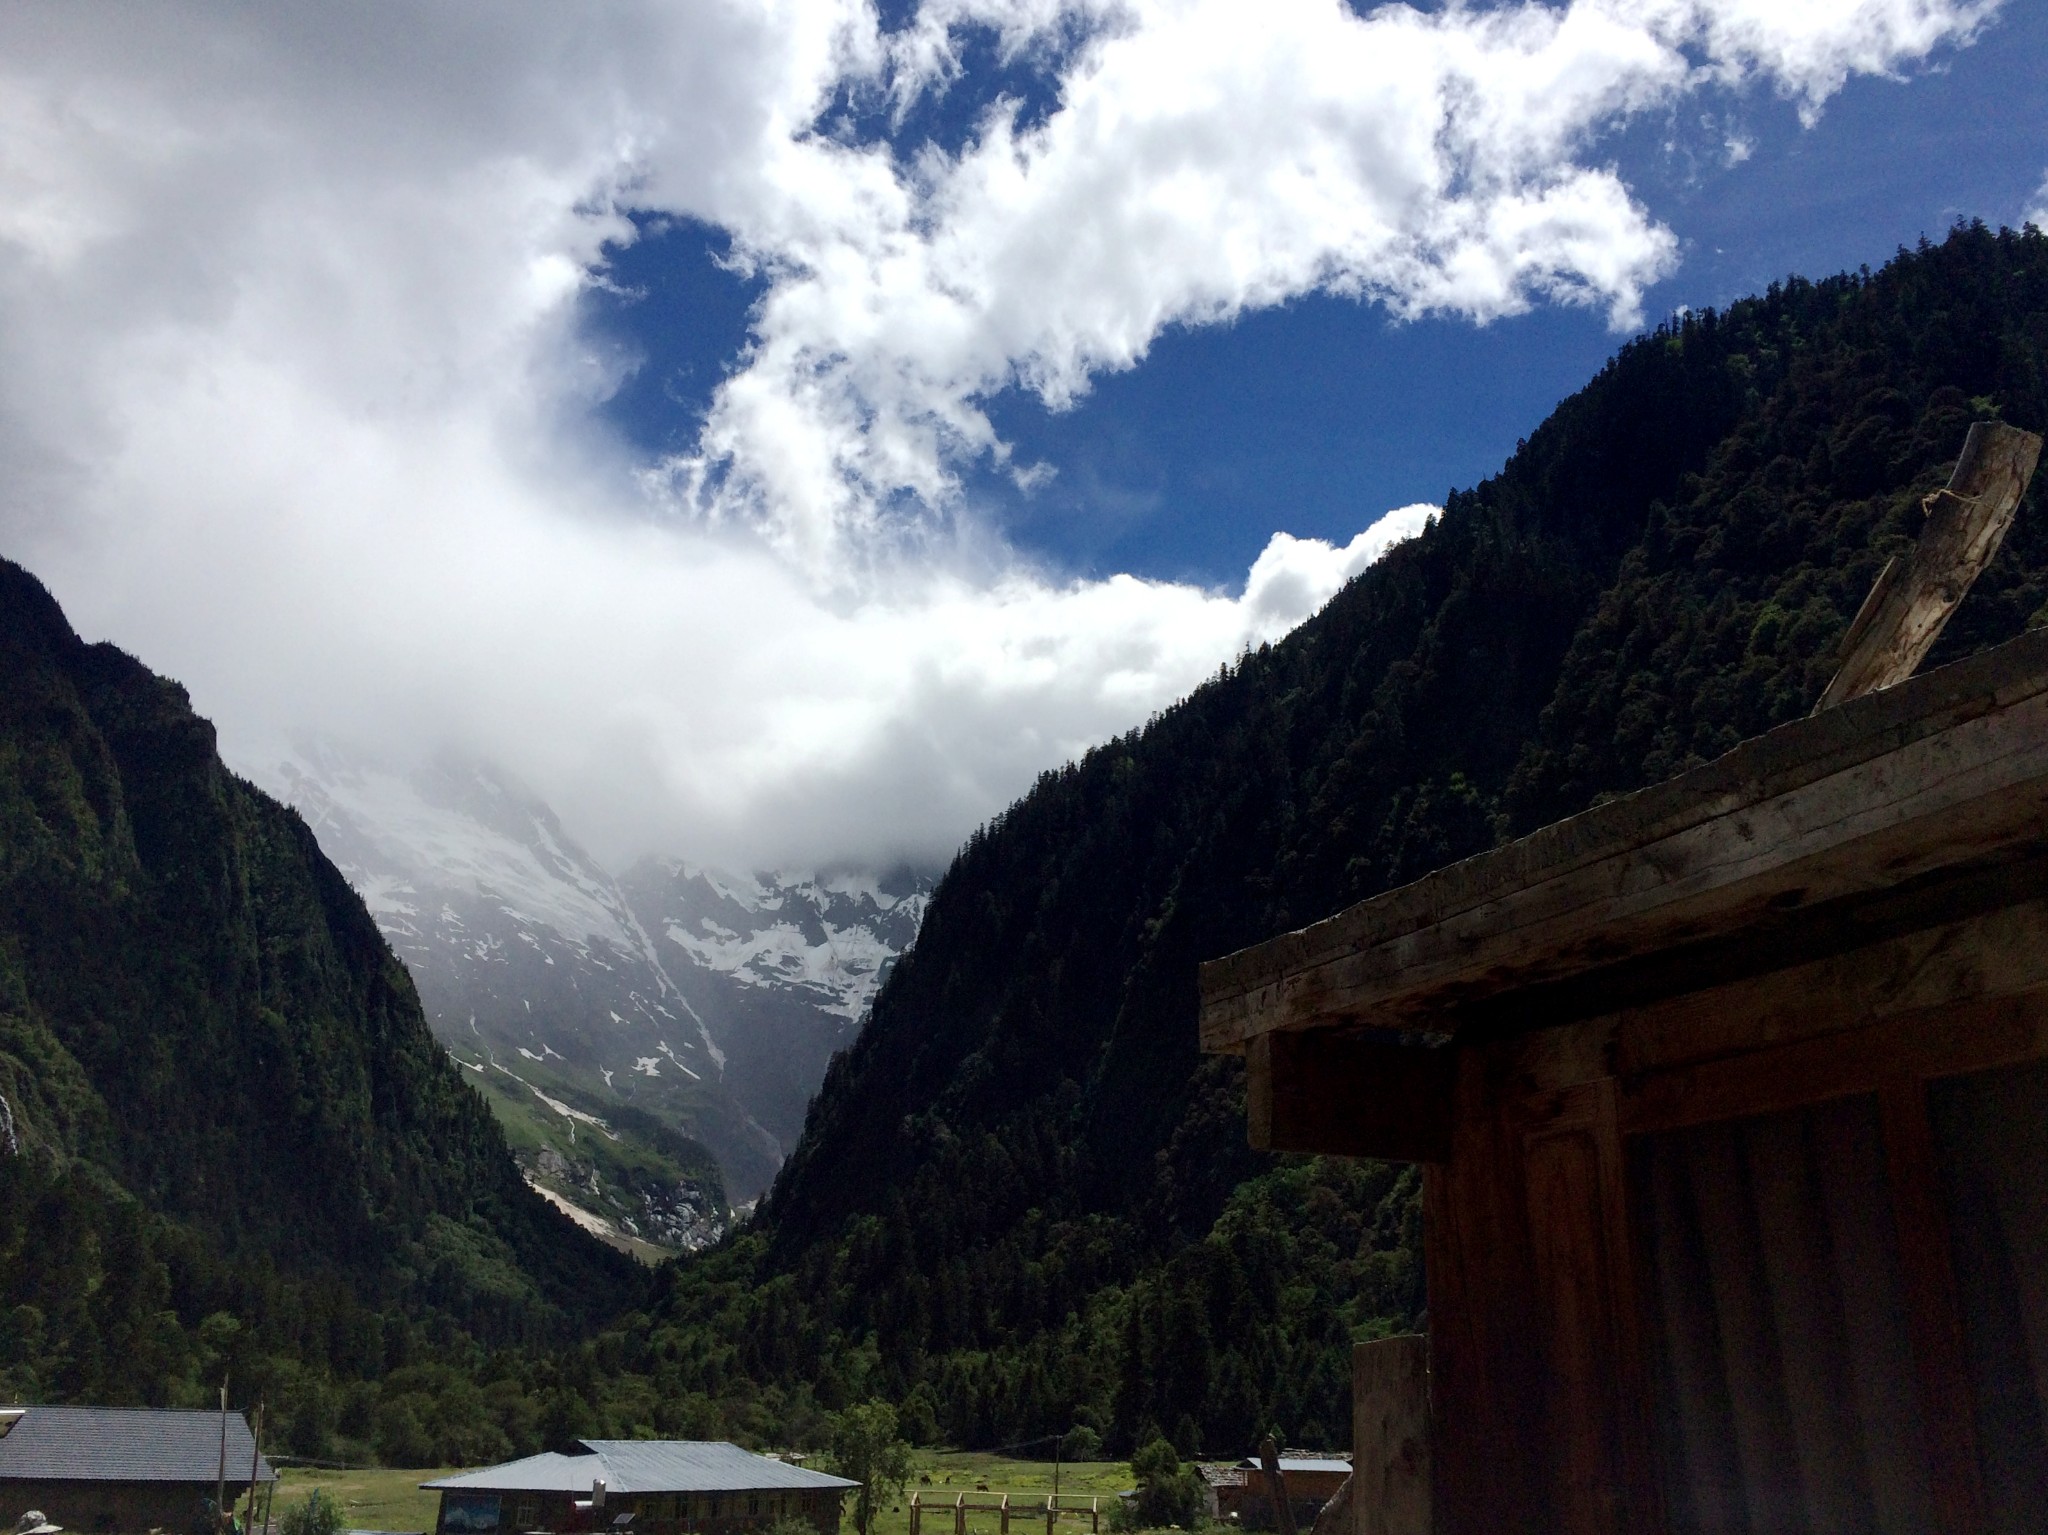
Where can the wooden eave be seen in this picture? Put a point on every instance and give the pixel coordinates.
(1749, 860)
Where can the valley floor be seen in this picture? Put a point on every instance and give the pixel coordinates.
(387, 1499)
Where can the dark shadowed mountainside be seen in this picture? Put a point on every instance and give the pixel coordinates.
(228, 1141)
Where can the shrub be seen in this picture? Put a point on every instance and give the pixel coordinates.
(1168, 1492)
(318, 1515)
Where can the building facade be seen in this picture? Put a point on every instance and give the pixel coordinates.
(1238, 1494)
(117, 1470)
(645, 1487)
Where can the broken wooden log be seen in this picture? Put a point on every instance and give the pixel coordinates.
(1912, 599)
(1276, 1486)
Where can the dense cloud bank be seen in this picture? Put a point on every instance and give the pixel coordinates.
(294, 401)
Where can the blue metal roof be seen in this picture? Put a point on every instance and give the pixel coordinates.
(125, 1444)
(644, 1466)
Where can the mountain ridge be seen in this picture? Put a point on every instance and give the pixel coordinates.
(1022, 1198)
(222, 1096)
(710, 1001)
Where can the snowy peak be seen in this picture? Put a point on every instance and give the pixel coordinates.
(831, 939)
(457, 826)
(710, 1000)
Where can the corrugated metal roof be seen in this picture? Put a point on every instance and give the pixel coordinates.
(644, 1466)
(126, 1444)
(1302, 1463)
(536, 1473)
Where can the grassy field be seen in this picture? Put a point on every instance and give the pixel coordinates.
(392, 1500)
(370, 1500)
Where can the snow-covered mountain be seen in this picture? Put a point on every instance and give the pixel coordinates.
(783, 966)
(704, 1002)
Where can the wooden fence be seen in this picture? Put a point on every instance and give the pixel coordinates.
(1049, 1507)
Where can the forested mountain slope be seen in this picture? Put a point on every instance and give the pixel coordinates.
(1022, 1196)
(220, 1097)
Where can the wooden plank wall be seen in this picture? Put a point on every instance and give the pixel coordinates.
(1537, 1354)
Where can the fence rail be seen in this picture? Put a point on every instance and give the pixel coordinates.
(1046, 1506)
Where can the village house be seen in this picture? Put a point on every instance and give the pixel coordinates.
(1238, 1493)
(106, 1469)
(647, 1486)
(1732, 1103)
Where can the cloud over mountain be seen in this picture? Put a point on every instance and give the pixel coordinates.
(294, 400)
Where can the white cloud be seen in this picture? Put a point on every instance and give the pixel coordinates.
(2037, 212)
(290, 384)
(1197, 167)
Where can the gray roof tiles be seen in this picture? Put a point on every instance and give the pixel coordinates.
(125, 1444)
(644, 1466)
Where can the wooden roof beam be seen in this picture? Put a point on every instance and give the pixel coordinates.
(1349, 1097)
(1946, 770)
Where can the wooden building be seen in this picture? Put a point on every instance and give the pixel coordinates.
(123, 1469)
(645, 1486)
(1732, 1097)
(1239, 1494)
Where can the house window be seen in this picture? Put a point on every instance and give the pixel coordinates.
(1777, 1325)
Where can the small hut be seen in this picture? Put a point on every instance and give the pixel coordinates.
(1732, 1100)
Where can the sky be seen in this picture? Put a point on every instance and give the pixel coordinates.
(776, 430)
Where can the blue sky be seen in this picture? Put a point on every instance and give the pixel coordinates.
(1316, 416)
(777, 430)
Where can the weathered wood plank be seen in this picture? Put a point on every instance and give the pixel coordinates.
(1991, 954)
(1390, 1491)
(1778, 761)
(1933, 1042)
(1484, 1321)
(1569, 1236)
(1972, 788)
(1910, 604)
(1603, 1474)
(1348, 1097)
(1933, 1314)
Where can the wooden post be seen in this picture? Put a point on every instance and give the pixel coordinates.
(1336, 1517)
(1904, 614)
(255, 1460)
(960, 1513)
(1005, 1507)
(916, 1513)
(1390, 1472)
(220, 1485)
(1276, 1486)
